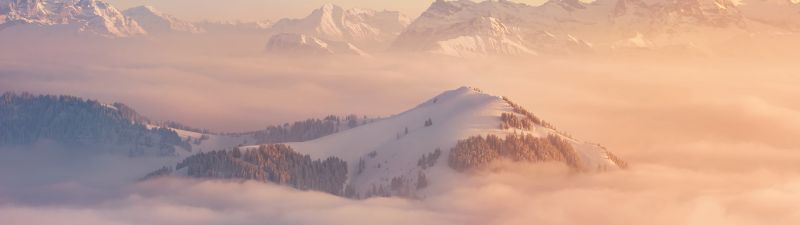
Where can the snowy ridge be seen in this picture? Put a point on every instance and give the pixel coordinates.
(395, 156)
(467, 28)
(363, 27)
(383, 153)
(85, 16)
(779, 13)
(155, 22)
(236, 27)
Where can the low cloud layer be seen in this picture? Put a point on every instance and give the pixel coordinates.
(542, 194)
(711, 141)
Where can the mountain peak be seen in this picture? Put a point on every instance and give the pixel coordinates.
(364, 28)
(458, 94)
(92, 16)
(567, 4)
(154, 21)
(400, 147)
(144, 8)
(327, 9)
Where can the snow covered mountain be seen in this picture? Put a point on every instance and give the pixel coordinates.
(236, 27)
(467, 28)
(455, 131)
(780, 13)
(155, 22)
(368, 29)
(459, 131)
(304, 45)
(82, 16)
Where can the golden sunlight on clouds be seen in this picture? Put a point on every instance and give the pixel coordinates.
(710, 131)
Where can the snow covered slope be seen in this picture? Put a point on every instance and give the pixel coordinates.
(236, 27)
(467, 28)
(780, 13)
(386, 157)
(458, 131)
(83, 16)
(365, 28)
(155, 22)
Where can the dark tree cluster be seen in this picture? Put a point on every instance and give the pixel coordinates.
(275, 163)
(422, 181)
(429, 160)
(27, 118)
(614, 158)
(306, 130)
(400, 186)
(164, 171)
(362, 165)
(198, 141)
(511, 120)
(377, 191)
(527, 117)
(477, 152)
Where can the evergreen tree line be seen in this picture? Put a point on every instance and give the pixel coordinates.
(164, 171)
(400, 186)
(306, 130)
(26, 118)
(429, 160)
(477, 152)
(525, 121)
(275, 163)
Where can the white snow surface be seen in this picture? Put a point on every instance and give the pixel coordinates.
(84, 16)
(365, 28)
(505, 28)
(456, 115)
(780, 13)
(154, 21)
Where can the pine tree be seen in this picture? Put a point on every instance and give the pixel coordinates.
(422, 181)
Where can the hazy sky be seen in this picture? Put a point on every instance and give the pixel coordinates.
(270, 9)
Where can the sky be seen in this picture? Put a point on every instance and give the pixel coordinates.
(196, 10)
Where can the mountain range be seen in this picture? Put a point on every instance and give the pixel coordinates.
(85, 16)
(466, 28)
(366, 28)
(154, 21)
(461, 28)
